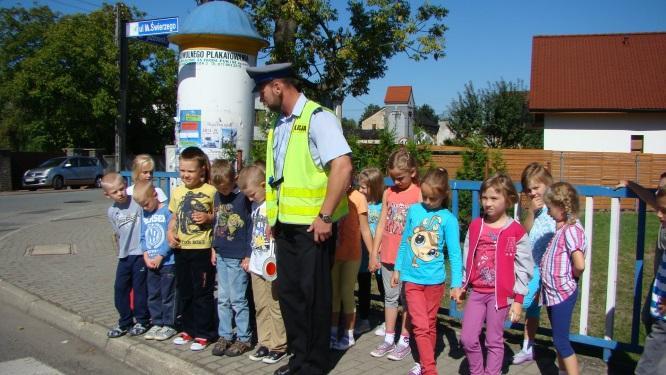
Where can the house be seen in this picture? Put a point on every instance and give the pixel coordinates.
(600, 92)
(398, 113)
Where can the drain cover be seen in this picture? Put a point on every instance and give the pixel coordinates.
(56, 249)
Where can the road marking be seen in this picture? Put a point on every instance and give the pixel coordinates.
(28, 365)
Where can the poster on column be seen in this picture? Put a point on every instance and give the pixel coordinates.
(216, 83)
(190, 128)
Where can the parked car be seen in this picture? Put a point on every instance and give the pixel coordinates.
(74, 171)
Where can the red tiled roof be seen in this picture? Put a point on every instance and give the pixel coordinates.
(398, 94)
(591, 73)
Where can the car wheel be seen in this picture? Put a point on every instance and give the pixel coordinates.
(98, 182)
(58, 182)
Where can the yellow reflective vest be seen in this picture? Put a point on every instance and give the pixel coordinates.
(303, 188)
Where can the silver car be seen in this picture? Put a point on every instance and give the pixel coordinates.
(73, 171)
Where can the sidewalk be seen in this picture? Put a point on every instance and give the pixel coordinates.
(75, 293)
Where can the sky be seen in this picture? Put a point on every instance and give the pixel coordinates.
(486, 40)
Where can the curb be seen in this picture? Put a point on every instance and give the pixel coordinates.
(140, 356)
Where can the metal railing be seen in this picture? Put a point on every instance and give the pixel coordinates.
(607, 343)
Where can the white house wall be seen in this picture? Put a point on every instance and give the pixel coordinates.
(604, 132)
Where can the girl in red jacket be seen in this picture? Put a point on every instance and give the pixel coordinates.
(498, 266)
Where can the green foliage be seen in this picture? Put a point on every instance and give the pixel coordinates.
(343, 56)
(478, 163)
(426, 118)
(60, 83)
(499, 115)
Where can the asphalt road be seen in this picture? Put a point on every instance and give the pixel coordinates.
(22, 208)
(29, 346)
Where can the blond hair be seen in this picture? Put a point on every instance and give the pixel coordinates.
(565, 196)
(402, 160)
(502, 183)
(374, 180)
(438, 179)
(252, 175)
(110, 179)
(143, 191)
(535, 172)
(138, 163)
(222, 172)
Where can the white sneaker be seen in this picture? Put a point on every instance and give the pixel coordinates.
(165, 333)
(381, 330)
(415, 370)
(152, 333)
(199, 345)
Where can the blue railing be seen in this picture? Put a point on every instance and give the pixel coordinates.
(607, 343)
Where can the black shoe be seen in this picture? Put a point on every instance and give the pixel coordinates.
(273, 357)
(284, 370)
(260, 354)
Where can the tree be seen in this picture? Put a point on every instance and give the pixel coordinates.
(341, 58)
(64, 88)
(370, 110)
(499, 115)
(425, 117)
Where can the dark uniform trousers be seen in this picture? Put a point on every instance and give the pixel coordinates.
(304, 290)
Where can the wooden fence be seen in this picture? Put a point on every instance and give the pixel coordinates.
(578, 168)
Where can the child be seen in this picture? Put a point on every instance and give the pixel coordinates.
(371, 184)
(649, 198)
(158, 257)
(420, 263)
(498, 267)
(271, 335)
(654, 350)
(561, 266)
(541, 227)
(190, 235)
(231, 242)
(352, 229)
(395, 202)
(131, 271)
(143, 167)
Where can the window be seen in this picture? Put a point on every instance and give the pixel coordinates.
(636, 143)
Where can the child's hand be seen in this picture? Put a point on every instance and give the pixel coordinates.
(174, 241)
(245, 264)
(621, 184)
(213, 257)
(536, 203)
(515, 312)
(395, 279)
(199, 217)
(456, 295)
(661, 305)
(157, 261)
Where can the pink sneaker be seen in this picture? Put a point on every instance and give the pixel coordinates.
(415, 370)
(383, 349)
(400, 352)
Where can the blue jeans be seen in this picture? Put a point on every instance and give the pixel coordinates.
(162, 295)
(131, 275)
(231, 287)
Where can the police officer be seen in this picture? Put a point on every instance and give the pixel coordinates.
(305, 147)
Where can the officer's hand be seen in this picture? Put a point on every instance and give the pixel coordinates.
(322, 230)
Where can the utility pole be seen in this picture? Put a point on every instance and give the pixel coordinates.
(121, 121)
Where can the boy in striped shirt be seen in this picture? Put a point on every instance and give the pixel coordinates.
(653, 359)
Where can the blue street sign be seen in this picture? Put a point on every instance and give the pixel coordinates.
(159, 26)
(160, 40)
